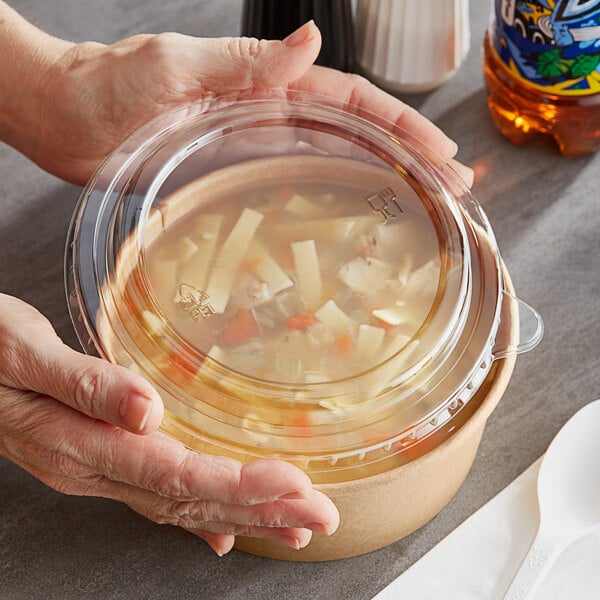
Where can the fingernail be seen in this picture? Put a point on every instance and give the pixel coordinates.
(135, 411)
(319, 528)
(290, 541)
(454, 147)
(293, 496)
(301, 35)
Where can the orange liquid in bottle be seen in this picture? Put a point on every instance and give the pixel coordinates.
(521, 111)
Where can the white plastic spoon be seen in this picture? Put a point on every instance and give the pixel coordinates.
(568, 489)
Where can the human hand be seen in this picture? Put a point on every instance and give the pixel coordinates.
(95, 94)
(86, 427)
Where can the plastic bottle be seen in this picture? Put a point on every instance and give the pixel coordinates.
(275, 19)
(542, 71)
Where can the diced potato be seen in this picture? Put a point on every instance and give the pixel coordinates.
(395, 345)
(217, 353)
(396, 364)
(405, 270)
(229, 258)
(369, 341)
(267, 269)
(335, 318)
(392, 315)
(186, 248)
(308, 272)
(163, 276)
(337, 228)
(194, 272)
(301, 207)
(425, 280)
(314, 377)
(249, 425)
(154, 324)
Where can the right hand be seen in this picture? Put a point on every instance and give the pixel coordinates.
(86, 427)
(95, 95)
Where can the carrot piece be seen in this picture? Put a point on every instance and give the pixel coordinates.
(302, 420)
(179, 369)
(285, 192)
(241, 328)
(343, 344)
(251, 264)
(302, 322)
(363, 249)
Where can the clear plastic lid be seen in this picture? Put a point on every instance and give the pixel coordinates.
(298, 279)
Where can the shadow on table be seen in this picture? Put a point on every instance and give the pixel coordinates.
(515, 185)
(34, 242)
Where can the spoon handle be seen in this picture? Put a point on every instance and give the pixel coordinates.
(541, 555)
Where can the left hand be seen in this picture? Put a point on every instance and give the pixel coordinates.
(96, 94)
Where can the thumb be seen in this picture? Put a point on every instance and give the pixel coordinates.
(32, 357)
(227, 64)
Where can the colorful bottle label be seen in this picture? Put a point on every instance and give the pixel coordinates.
(551, 45)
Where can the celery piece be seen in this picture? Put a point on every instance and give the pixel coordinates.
(194, 271)
(335, 318)
(265, 316)
(248, 356)
(301, 207)
(288, 367)
(267, 269)
(306, 263)
(229, 258)
(288, 303)
(319, 335)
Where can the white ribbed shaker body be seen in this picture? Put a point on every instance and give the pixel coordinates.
(411, 45)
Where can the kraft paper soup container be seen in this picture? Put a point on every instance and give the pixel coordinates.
(301, 280)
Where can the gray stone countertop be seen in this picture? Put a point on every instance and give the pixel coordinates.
(545, 211)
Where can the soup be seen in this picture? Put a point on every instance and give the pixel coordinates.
(297, 282)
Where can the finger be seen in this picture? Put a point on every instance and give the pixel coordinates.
(293, 537)
(66, 475)
(155, 462)
(357, 91)
(225, 64)
(465, 173)
(32, 357)
(314, 512)
(164, 466)
(221, 543)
